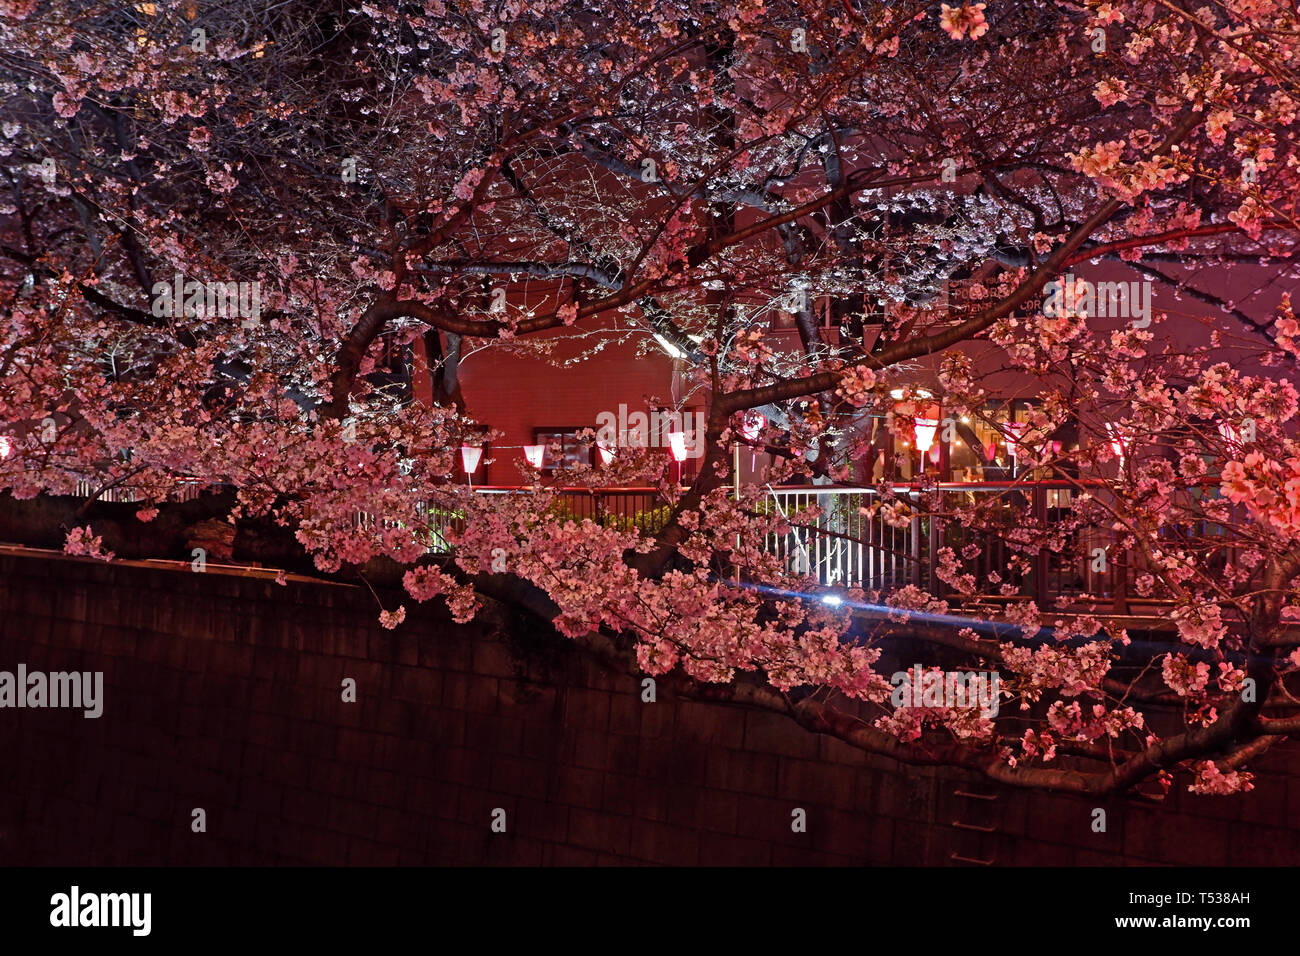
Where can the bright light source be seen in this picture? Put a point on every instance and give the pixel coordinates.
(535, 454)
(1116, 440)
(897, 394)
(469, 457)
(668, 347)
(677, 444)
(6, 446)
(925, 429)
(1013, 440)
(834, 600)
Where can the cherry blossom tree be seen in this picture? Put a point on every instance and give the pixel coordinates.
(217, 221)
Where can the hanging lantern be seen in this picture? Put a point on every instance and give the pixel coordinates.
(469, 457)
(751, 426)
(1116, 442)
(536, 454)
(1013, 440)
(925, 429)
(677, 445)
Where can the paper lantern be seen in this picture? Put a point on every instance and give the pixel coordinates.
(677, 444)
(752, 425)
(536, 454)
(1116, 441)
(925, 429)
(1013, 440)
(469, 457)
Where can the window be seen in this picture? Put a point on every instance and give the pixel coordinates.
(563, 448)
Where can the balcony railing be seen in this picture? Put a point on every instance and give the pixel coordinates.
(833, 539)
(125, 494)
(840, 545)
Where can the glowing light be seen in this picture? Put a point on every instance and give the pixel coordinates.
(672, 350)
(1013, 440)
(925, 429)
(677, 444)
(469, 457)
(752, 425)
(6, 446)
(834, 600)
(1116, 440)
(536, 454)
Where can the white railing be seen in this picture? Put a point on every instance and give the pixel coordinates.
(837, 544)
(125, 494)
(840, 545)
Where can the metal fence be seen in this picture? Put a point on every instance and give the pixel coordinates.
(840, 544)
(837, 536)
(125, 494)
(622, 508)
(840, 536)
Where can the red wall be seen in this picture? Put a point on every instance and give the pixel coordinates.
(517, 393)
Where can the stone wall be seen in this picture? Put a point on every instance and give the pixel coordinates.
(223, 693)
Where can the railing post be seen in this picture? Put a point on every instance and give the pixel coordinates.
(1041, 560)
(916, 549)
(1119, 579)
(936, 542)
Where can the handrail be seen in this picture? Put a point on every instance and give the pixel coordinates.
(1009, 485)
(844, 545)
